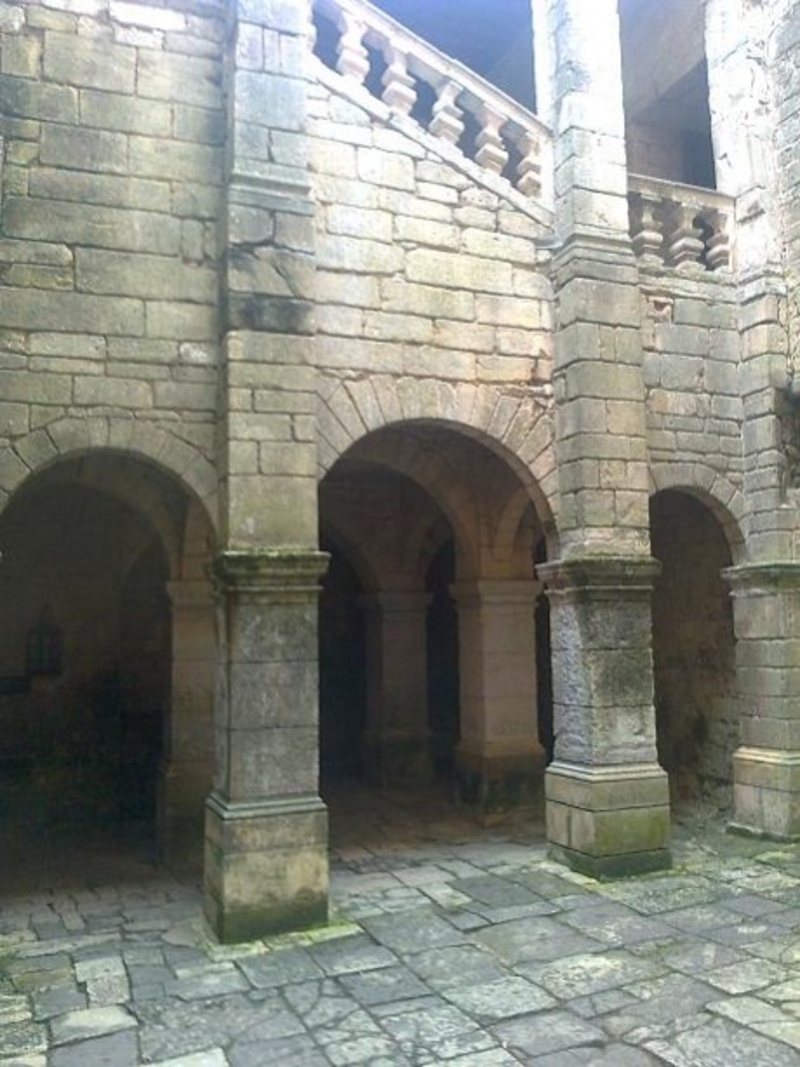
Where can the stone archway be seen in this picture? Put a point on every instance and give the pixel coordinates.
(405, 496)
(694, 651)
(105, 724)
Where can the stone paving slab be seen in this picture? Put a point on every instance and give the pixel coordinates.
(462, 947)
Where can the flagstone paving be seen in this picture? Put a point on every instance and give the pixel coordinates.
(450, 945)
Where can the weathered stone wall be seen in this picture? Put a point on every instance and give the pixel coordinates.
(185, 186)
(424, 275)
(112, 122)
(786, 49)
(691, 372)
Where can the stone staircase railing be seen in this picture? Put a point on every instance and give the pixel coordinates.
(680, 226)
(448, 100)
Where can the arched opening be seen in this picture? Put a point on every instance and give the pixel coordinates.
(91, 549)
(428, 640)
(697, 717)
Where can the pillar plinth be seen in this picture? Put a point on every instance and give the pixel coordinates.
(607, 797)
(766, 766)
(266, 866)
(499, 760)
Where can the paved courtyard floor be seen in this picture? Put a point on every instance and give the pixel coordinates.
(450, 945)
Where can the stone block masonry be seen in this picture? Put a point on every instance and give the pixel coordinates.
(422, 274)
(113, 136)
(262, 255)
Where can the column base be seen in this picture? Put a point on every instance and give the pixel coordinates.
(766, 793)
(391, 758)
(608, 822)
(266, 866)
(182, 792)
(499, 782)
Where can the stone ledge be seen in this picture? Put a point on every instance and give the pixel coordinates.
(613, 788)
(270, 572)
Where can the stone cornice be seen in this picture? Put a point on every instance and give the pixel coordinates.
(274, 573)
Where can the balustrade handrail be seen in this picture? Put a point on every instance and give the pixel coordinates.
(679, 192)
(681, 226)
(503, 120)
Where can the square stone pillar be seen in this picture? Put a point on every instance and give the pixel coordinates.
(747, 129)
(188, 761)
(266, 866)
(607, 797)
(397, 739)
(766, 766)
(499, 759)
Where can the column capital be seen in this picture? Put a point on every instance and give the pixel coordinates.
(602, 575)
(769, 577)
(270, 573)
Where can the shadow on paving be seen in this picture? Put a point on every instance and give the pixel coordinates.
(450, 944)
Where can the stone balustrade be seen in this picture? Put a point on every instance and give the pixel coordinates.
(414, 81)
(680, 226)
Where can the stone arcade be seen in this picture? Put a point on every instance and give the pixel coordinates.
(497, 355)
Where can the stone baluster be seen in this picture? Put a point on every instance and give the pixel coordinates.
(647, 236)
(686, 246)
(446, 122)
(491, 150)
(353, 59)
(529, 170)
(718, 251)
(399, 93)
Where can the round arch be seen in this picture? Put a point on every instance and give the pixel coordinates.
(105, 546)
(711, 488)
(149, 445)
(517, 429)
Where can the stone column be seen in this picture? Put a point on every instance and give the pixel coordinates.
(766, 611)
(188, 760)
(397, 738)
(267, 443)
(266, 828)
(743, 125)
(750, 47)
(499, 759)
(606, 796)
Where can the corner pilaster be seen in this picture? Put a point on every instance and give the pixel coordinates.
(766, 766)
